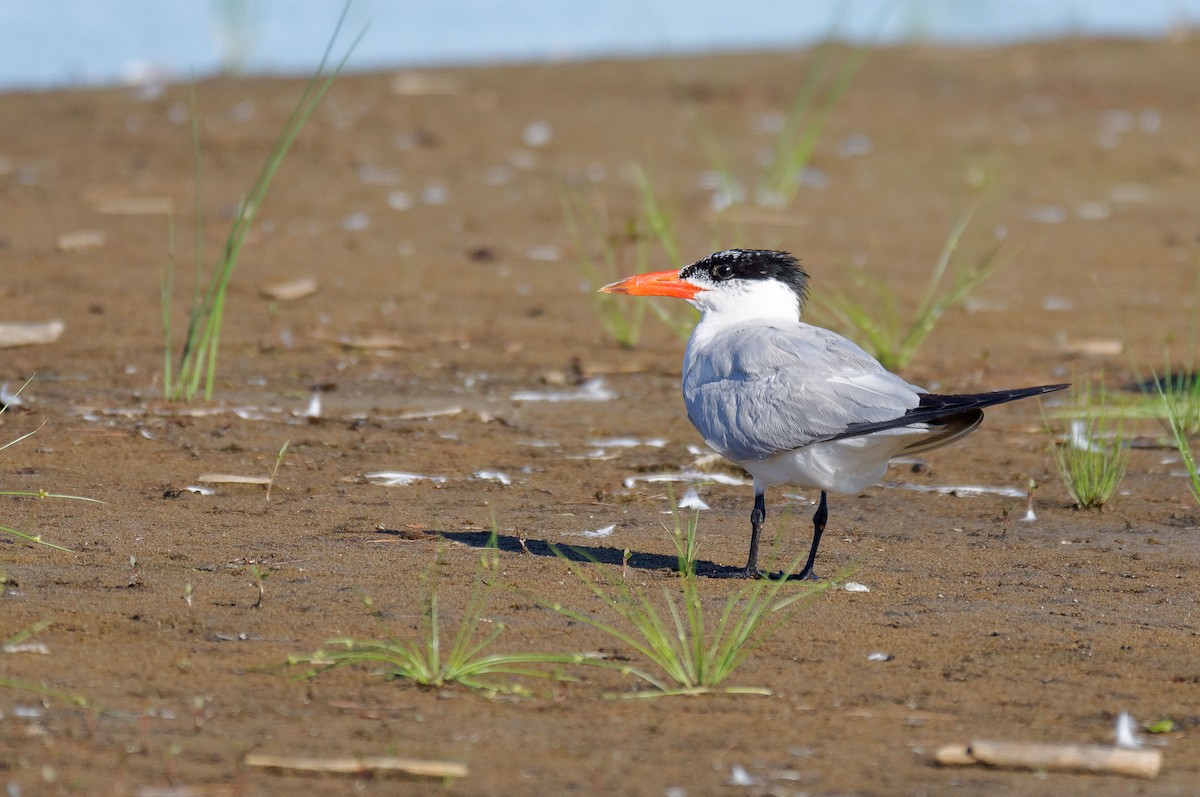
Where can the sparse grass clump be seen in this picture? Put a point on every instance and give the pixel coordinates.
(621, 321)
(685, 650)
(1159, 398)
(893, 335)
(1179, 433)
(425, 660)
(1175, 397)
(645, 242)
(812, 108)
(1172, 395)
(781, 172)
(41, 493)
(197, 359)
(275, 468)
(24, 639)
(1093, 458)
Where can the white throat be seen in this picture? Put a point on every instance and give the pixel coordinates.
(746, 301)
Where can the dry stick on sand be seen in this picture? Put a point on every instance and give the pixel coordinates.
(1060, 757)
(364, 765)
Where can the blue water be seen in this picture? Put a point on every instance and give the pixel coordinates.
(48, 43)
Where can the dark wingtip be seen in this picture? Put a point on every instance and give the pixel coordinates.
(1013, 394)
(946, 405)
(936, 408)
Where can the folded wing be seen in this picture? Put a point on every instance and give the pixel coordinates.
(761, 390)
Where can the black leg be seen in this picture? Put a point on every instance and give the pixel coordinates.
(819, 520)
(757, 516)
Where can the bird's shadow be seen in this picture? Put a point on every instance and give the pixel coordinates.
(601, 554)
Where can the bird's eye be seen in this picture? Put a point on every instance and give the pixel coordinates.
(722, 271)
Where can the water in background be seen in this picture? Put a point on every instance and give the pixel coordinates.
(50, 43)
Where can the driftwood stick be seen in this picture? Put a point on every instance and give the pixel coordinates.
(955, 755)
(359, 765)
(1059, 757)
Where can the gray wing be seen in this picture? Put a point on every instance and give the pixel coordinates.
(757, 390)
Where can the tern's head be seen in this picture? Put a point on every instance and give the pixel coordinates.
(746, 282)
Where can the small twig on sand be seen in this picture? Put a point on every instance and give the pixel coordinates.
(1060, 757)
(365, 765)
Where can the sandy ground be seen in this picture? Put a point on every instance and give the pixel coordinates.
(428, 209)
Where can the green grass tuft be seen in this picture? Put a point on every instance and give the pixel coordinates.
(1179, 433)
(824, 87)
(1159, 398)
(893, 336)
(196, 364)
(1175, 397)
(43, 494)
(44, 692)
(621, 321)
(826, 83)
(1093, 458)
(686, 651)
(646, 242)
(426, 661)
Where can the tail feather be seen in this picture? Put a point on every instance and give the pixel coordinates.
(962, 413)
(933, 404)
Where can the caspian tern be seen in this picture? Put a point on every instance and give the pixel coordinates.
(792, 403)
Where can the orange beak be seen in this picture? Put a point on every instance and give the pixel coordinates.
(656, 283)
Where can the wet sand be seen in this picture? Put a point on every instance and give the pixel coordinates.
(428, 209)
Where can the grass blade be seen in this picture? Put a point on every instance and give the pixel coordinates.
(421, 661)
(1179, 434)
(876, 320)
(806, 121)
(201, 345)
(34, 538)
(1093, 458)
(689, 653)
